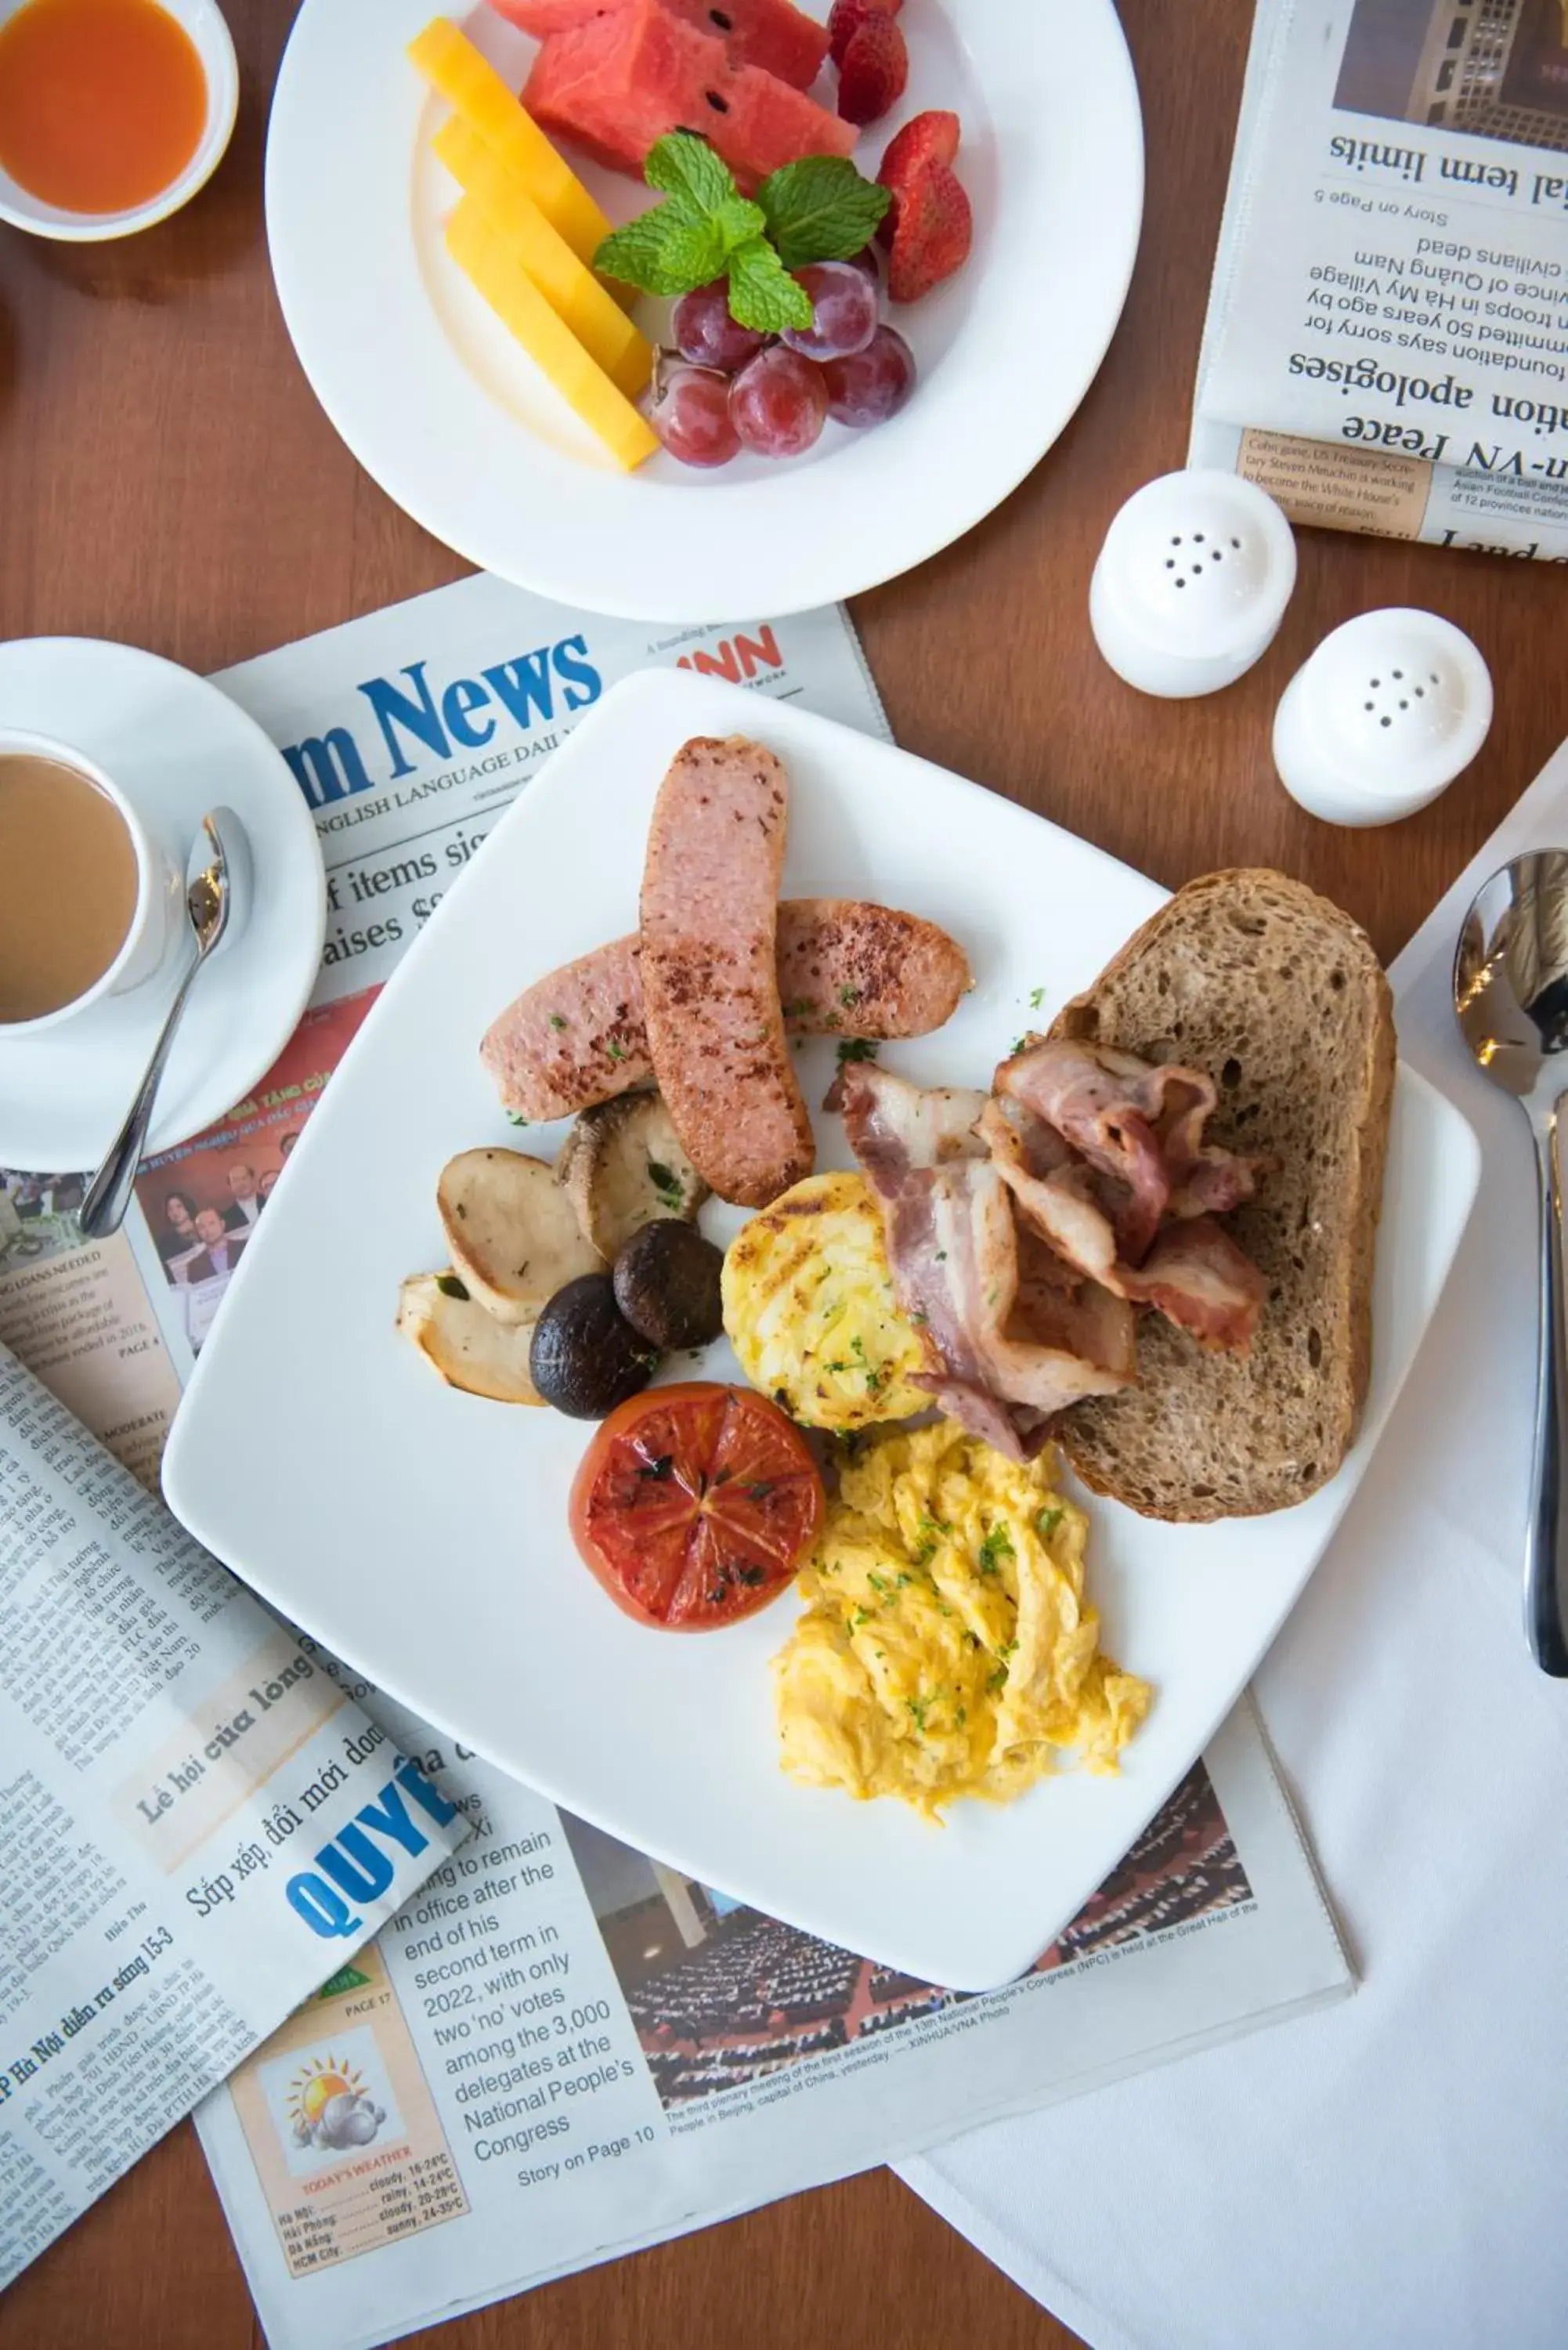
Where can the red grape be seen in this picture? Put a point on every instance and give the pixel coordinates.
(843, 311)
(690, 411)
(705, 333)
(778, 403)
(868, 387)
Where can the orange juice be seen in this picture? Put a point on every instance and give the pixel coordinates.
(102, 102)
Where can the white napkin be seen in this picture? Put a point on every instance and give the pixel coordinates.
(1389, 2172)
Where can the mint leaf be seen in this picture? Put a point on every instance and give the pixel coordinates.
(683, 164)
(738, 222)
(635, 253)
(821, 209)
(762, 294)
(668, 249)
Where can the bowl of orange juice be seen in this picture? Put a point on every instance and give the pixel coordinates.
(112, 112)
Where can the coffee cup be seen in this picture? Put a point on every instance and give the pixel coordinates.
(89, 896)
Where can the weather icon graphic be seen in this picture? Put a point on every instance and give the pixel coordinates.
(329, 2107)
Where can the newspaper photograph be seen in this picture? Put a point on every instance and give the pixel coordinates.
(195, 1821)
(1386, 346)
(558, 2049)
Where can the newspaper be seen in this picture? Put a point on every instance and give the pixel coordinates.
(195, 1823)
(577, 2051)
(1386, 345)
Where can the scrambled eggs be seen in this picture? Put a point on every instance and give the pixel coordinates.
(810, 1310)
(946, 1648)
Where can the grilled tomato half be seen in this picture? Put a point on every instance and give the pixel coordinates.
(695, 1504)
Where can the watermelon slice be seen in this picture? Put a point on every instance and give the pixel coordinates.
(773, 34)
(618, 82)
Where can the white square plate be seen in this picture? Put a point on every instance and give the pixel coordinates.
(423, 1532)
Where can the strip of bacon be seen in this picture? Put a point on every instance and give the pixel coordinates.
(1139, 1125)
(1194, 1272)
(1005, 1361)
(1197, 1276)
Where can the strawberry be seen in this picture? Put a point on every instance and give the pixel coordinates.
(873, 70)
(929, 138)
(933, 234)
(845, 18)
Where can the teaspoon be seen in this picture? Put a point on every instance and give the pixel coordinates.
(215, 877)
(1510, 992)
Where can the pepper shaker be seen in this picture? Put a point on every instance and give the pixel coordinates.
(1382, 717)
(1192, 583)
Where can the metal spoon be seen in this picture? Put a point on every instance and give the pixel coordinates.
(216, 891)
(1511, 991)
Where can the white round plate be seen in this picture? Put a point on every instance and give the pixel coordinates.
(178, 747)
(443, 408)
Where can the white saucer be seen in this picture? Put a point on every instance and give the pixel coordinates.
(178, 747)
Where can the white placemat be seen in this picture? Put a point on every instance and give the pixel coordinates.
(1390, 2172)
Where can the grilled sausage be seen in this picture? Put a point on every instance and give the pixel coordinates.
(845, 967)
(710, 969)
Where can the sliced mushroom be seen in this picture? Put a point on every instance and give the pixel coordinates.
(623, 1166)
(511, 1231)
(467, 1345)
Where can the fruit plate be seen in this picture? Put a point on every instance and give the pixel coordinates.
(446, 412)
(423, 1532)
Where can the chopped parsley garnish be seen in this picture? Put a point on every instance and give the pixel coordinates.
(874, 1376)
(1046, 1523)
(798, 1009)
(556, 1020)
(996, 1678)
(515, 1118)
(1036, 998)
(1016, 1046)
(997, 1545)
(941, 1256)
(882, 1587)
(861, 1615)
(617, 1052)
(918, 1707)
(858, 1048)
(666, 1186)
(919, 1318)
(932, 1532)
(850, 997)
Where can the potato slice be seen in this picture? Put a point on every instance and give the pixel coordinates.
(623, 1166)
(513, 1237)
(467, 1345)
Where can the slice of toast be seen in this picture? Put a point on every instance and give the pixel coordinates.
(1280, 997)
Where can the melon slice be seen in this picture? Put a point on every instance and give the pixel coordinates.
(470, 83)
(619, 82)
(773, 34)
(492, 265)
(597, 320)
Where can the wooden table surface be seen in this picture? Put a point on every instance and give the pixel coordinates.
(167, 477)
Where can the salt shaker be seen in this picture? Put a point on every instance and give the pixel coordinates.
(1382, 717)
(1192, 583)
